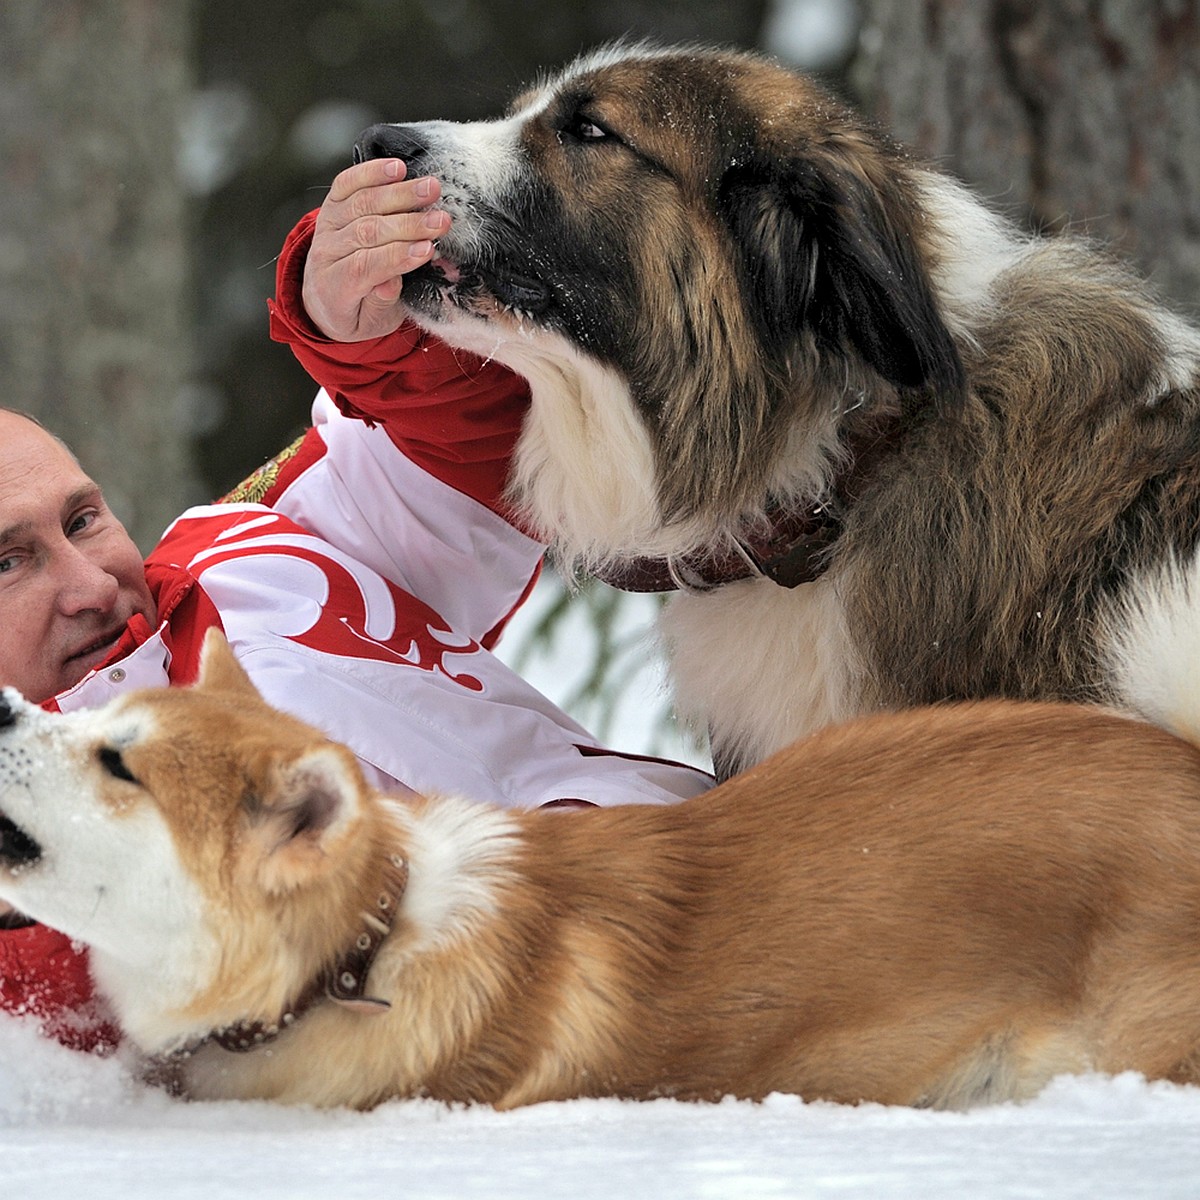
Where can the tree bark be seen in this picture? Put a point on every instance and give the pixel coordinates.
(93, 254)
(1079, 112)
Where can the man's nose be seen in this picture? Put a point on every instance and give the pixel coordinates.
(84, 585)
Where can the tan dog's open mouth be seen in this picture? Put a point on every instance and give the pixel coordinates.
(17, 848)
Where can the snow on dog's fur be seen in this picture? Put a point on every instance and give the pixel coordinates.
(720, 282)
(938, 907)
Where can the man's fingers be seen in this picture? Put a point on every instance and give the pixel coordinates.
(372, 232)
(336, 293)
(379, 199)
(374, 227)
(368, 269)
(372, 173)
(372, 250)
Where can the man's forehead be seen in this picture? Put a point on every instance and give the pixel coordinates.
(36, 469)
(19, 425)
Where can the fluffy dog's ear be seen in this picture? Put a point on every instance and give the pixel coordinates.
(820, 252)
(303, 811)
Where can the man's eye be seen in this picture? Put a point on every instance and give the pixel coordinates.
(81, 521)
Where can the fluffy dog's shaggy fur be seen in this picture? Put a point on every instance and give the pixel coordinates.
(736, 301)
(938, 907)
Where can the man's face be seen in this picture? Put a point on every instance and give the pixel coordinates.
(70, 576)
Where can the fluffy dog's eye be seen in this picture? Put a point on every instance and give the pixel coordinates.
(114, 764)
(581, 129)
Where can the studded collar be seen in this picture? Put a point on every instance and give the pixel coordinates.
(344, 981)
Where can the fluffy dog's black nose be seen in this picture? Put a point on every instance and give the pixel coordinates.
(389, 141)
(7, 716)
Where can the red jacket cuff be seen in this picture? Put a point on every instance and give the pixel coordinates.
(43, 974)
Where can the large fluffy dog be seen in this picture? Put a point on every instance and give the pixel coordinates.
(766, 345)
(936, 907)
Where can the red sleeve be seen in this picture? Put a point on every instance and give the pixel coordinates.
(43, 975)
(454, 415)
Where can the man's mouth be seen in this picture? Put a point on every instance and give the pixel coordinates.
(97, 648)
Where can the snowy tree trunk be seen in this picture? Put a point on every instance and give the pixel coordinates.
(93, 320)
(1084, 112)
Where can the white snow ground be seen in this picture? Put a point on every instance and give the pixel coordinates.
(74, 1127)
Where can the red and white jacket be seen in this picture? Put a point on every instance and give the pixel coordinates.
(362, 591)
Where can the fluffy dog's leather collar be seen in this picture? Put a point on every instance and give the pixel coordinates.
(793, 549)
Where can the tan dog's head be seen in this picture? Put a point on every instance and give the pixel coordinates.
(200, 842)
(703, 238)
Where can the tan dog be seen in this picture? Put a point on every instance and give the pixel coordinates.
(941, 908)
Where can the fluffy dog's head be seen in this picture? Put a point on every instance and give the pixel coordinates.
(702, 238)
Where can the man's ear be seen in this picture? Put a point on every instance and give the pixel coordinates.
(219, 668)
(307, 807)
(819, 251)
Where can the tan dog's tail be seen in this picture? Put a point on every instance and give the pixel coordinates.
(1153, 648)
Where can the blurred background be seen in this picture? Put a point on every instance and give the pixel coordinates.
(154, 154)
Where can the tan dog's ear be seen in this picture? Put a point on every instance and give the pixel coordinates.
(220, 671)
(313, 802)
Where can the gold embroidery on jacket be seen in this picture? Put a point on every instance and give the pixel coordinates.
(258, 483)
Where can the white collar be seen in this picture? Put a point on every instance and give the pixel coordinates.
(144, 667)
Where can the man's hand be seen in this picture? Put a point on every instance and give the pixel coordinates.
(374, 226)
